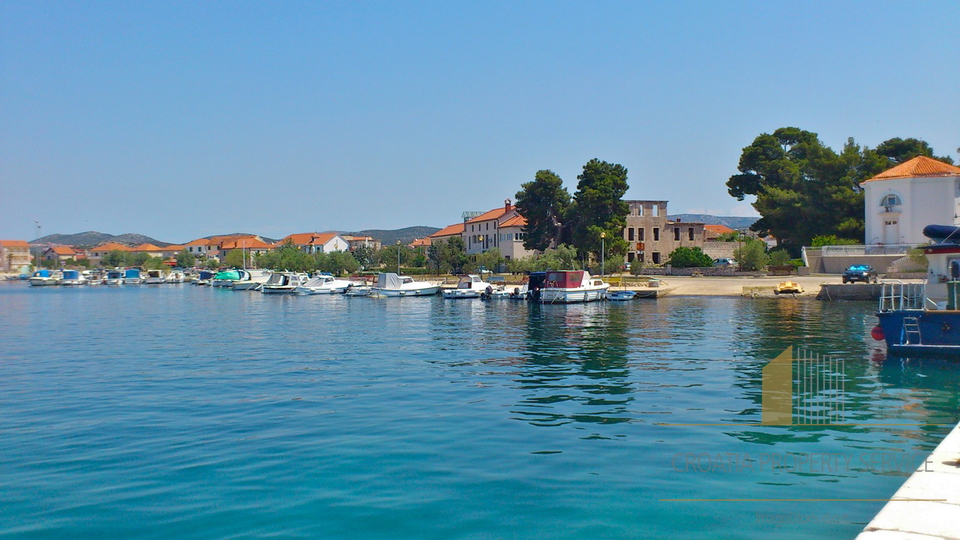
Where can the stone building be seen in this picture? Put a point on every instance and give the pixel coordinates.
(652, 237)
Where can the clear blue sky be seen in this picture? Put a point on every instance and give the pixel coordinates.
(184, 119)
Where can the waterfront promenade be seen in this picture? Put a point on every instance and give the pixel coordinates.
(927, 506)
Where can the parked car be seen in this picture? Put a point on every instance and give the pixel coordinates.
(860, 272)
(724, 263)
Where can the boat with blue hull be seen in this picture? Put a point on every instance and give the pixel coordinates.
(924, 318)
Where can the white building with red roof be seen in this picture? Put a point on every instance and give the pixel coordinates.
(14, 255)
(317, 242)
(900, 202)
(500, 228)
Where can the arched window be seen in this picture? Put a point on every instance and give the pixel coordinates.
(890, 200)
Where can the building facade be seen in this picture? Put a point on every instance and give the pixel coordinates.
(900, 202)
(14, 255)
(652, 237)
(484, 232)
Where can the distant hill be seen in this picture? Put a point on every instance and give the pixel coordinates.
(730, 221)
(405, 236)
(94, 238)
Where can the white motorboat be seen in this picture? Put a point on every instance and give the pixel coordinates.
(114, 277)
(132, 276)
(469, 286)
(43, 278)
(284, 282)
(251, 280)
(175, 276)
(357, 291)
(567, 287)
(325, 284)
(154, 277)
(72, 278)
(390, 284)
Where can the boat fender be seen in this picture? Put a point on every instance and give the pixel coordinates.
(877, 333)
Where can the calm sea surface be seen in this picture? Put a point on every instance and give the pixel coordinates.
(187, 412)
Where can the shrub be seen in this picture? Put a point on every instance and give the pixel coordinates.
(685, 257)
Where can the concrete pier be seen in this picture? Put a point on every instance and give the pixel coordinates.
(850, 292)
(927, 506)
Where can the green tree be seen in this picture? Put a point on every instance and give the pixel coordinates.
(752, 254)
(212, 264)
(830, 240)
(490, 260)
(365, 256)
(185, 259)
(544, 203)
(689, 257)
(447, 256)
(779, 257)
(598, 208)
(337, 262)
(805, 189)
(114, 258)
(562, 257)
(235, 258)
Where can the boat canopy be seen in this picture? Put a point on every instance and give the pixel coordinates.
(565, 279)
(113, 274)
(228, 275)
(71, 274)
(389, 281)
(132, 273)
(944, 234)
(41, 273)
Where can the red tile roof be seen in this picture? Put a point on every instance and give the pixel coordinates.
(488, 216)
(920, 166)
(14, 243)
(309, 239)
(449, 230)
(246, 243)
(199, 242)
(515, 221)
(420, 242)
(63, 250)
(147, 247)
(112, 246)
(718, 229)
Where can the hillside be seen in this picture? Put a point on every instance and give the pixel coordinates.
(730, 221)
(405, 235)
(94, 238)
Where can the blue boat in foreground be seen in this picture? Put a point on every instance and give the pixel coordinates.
(924, 318)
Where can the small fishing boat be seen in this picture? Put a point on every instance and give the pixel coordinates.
(154, 277)
(393, 285)
(251, 280)
(788, 287)
(566, 287)
(284, 283)
(468, 286)
(44, 278)
(114, 278)
(131, 276)
(621, 296)
(72, 278)
(204, 278)
(924, 318)
(226, 278)
(324, 284)
(175, 276)
(357, 291)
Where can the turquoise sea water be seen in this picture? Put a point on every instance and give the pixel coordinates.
(188, 412)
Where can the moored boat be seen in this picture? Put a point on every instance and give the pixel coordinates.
(325, 284)
(621, 296)
(114, 277)
(154, 277)
(283, 283)
(468, 286)
(43, 278)
(393, 285)
(131, 276)
(924, 318)
(72, 278)
(251, 280)
(566, 287)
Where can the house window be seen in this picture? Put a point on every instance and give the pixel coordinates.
(642, 231)
(656, 257)
(656, 234)
(890, 200)
(676, 234)
(630, 257)
(640, 210)
(630, 234)
(655, 210)
(690, 233)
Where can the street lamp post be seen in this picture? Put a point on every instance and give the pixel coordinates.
(603, 248)
(38, 245)
(398, 257)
